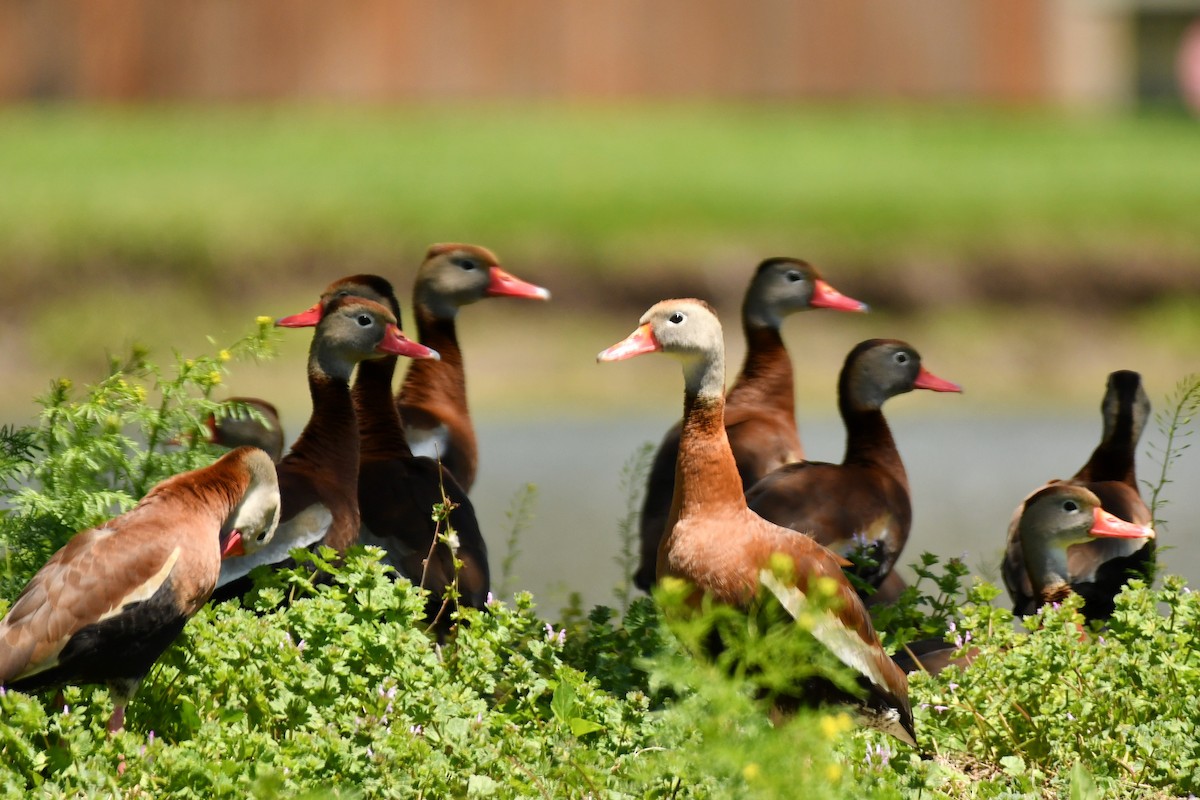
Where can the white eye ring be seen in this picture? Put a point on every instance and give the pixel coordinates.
(364, 320)
(677, 318)
(794, 276)
(1070, 506)
(901, 358)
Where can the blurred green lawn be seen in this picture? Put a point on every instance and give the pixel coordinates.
(165, 224)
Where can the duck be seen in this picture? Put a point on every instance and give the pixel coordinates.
(760, 418)
(432, 399)
(110, 601)
(1057, 517)
(861, 505)
(234, 425)
(397, 490)
(716, 544)
(1098, 568)
(318, 478)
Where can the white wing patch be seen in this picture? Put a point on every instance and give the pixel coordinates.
(429, 442)
(307, 527)
(844, 643)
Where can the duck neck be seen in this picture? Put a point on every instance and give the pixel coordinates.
(381, 433)
(329, 442)
(766, 376)
(706, 475)
(1114, 459)
(431, 380)
(869, 439)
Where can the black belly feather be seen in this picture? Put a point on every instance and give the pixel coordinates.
(118, 651)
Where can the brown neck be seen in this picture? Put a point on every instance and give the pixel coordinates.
(329, 442)
(706, 476)
(766, 376)
(869, 441)
(432, 380)
(381, 434)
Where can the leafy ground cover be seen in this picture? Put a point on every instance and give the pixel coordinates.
(340, 692)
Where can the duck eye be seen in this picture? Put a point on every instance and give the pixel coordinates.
(794, 275)
(464, 263)
(901, 358)
(364, 320)
(676, 318)
(1070, 506)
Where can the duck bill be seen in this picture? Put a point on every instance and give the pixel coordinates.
(825, 296)
(233, 545)
(305, 319)
(1110, 526)
(635, 344)
(504, 284)
(927, 380)
(397, 344)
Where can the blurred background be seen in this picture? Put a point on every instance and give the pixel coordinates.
(1013, 185)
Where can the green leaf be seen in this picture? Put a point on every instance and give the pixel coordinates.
(1083, 785)
(582, 727)
(563, 702)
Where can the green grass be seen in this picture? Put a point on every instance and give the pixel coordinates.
(606, 187)
(973, 234)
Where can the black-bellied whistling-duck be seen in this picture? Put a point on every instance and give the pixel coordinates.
(397, 490)
(233, 427)
(760, 407)
(318, 479)
(721, 547)
(1053, 519)
(432, 400)
(1098, 568)
(105, 606)
(862, 503)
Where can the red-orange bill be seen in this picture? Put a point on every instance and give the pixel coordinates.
(233, 545)
(927, 380)
(396, 343)
(825, 296)
(635, 344)
(505, 284)
(1108, 525)
(305, 319)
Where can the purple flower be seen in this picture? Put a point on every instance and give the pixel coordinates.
(941, 709)
(417, 730)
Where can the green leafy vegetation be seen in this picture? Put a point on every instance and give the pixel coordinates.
(342, 692)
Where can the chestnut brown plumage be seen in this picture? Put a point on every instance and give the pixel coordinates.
(106, 605)
(760, 418)
(397, 490)
(1098, 568)
(862, 503)
(722, 548)
(432, 400)
(318, 478)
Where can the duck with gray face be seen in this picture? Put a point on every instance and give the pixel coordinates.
(1099, 567)
(864, 502)
(1057, 517)
(760, 413)
(432, 400)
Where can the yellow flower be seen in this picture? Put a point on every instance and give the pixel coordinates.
(836, 724)
(214, 377)
(751, 771)
(825, 586)
(264, 321)
(833, 772)
(224, 355)
(782, 566)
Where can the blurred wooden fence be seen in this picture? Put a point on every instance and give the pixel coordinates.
(385, 50)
